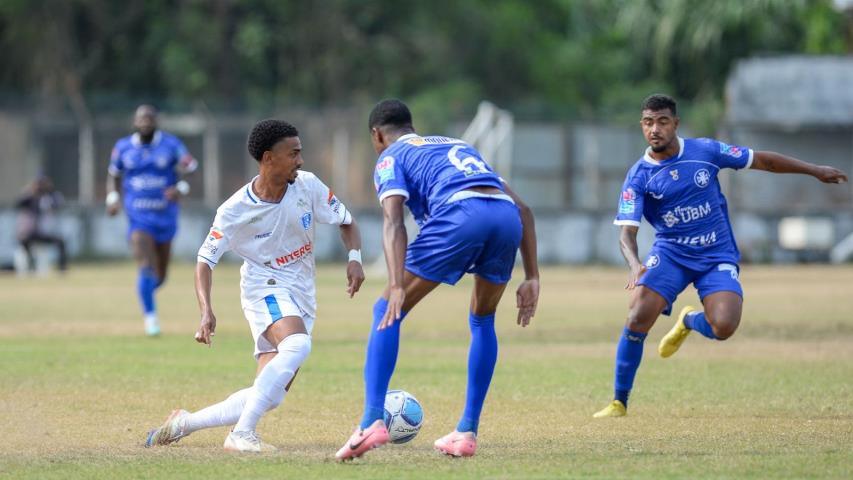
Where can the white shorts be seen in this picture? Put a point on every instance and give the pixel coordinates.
(264, 312)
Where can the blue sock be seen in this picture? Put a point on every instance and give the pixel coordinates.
(629, 352)
(145, 286)
(382, 350)
(697, 321)
(482, 357)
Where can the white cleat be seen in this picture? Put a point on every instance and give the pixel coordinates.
(152, 325)
(247, 442)
(171, 431)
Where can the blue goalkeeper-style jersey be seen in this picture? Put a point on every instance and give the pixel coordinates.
(147, 170)
(681, 198)
(429, 170)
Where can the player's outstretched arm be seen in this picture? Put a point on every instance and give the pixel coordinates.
(527, 295)
(628, 246)
(203, 282)
(394, 240)
(778, 163)
(351, 238)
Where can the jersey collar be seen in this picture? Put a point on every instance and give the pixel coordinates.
(648, 157)
(406, 137)
(136, 140)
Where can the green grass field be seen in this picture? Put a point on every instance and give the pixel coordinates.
(80, 385)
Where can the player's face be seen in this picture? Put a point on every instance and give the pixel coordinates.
(659, 128)
(286, 159)
(145, 122)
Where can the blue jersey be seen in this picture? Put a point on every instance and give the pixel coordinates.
(681, 198)
(147, 170)
(429, 170)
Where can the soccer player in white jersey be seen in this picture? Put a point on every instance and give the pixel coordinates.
(674, 186)
(270, 224)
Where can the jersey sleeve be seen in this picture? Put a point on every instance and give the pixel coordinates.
(328, 208)
(389, 178)
(116, 165)
(185, 161)
(217, 241)
(730, 156)
(630, 210)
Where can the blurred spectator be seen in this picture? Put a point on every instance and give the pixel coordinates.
(37, 219)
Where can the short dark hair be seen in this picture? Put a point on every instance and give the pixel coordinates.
(658, 102)
(266, 133)
(391, 113)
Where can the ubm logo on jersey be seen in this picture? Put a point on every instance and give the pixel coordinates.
(686, 214)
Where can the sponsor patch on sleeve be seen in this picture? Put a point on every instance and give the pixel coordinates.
(627, 202)
(731, 150)
(385, 169)
(215, 234)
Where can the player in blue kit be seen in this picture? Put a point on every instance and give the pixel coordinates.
(675, 187)
(150, 164)
(470, 222)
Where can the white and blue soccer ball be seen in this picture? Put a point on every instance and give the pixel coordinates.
(403, 416)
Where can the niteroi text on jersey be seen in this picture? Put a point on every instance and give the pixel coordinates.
(294, 255)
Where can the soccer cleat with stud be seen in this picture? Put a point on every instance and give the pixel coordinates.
(152, 325)
(247, 442)
(171, 431)
(362, 441)
(672, 341)
(457, 444)
(613, 409)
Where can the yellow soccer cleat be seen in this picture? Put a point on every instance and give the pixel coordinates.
(614, 409)
(672, 341)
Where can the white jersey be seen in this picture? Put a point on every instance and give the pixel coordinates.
(275, 240)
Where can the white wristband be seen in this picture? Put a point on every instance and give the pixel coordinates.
(113, 198)
(355, 255)
(183, 187)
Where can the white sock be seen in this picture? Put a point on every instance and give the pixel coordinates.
(226, 412)
(268, 389)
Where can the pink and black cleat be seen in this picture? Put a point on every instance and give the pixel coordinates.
(362, 441)
(457, 444)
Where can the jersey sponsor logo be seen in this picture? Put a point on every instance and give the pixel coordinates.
(702, 178)
(301, 203)
(385, 169)
(420, 141)
(263, 235)
(674, 174)
(254, 220)
(147, 182)
(294, 255)
(698, 240)
(334, 203)
(627, 202)
(656, 196)
(686, 214)
(731, 150)
(215, 234)
(653, 261)
(148, 203)
(211, 247)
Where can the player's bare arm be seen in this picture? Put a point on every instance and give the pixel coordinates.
(394, 240)
(113, 195)
(351, 238)
(203, 282)
(527, 294)
(778, 163)
(628, 246)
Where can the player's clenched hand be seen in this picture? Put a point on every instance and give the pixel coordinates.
(396, 297)
(171, 194)
(526, 298)
(355, 277)
(828, 174)
(207, 329)
(113, 209)
(634, 275)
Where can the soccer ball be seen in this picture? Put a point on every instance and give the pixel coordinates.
(403, 416)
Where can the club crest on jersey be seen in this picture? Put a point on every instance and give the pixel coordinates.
(306, 220)
(626, 203)
(674, 174)
(702, 178)
(385, 169)
(653, 261)
(161, 161)
(730, 150)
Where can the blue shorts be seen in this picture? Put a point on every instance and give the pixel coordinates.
(666, 276)
(160, 233)
(474, 235)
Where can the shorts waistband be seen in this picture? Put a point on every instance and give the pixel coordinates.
(463, 194)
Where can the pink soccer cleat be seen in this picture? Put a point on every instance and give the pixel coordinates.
(361, 441)
(457, 444)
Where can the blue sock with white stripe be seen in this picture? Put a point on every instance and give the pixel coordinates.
(146, 283)
(382, 348)
(697, 321)
(482, 357)
(629, 353)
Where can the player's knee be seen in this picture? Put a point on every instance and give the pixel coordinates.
(637, 322)
(723, 327)
(298, 345)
